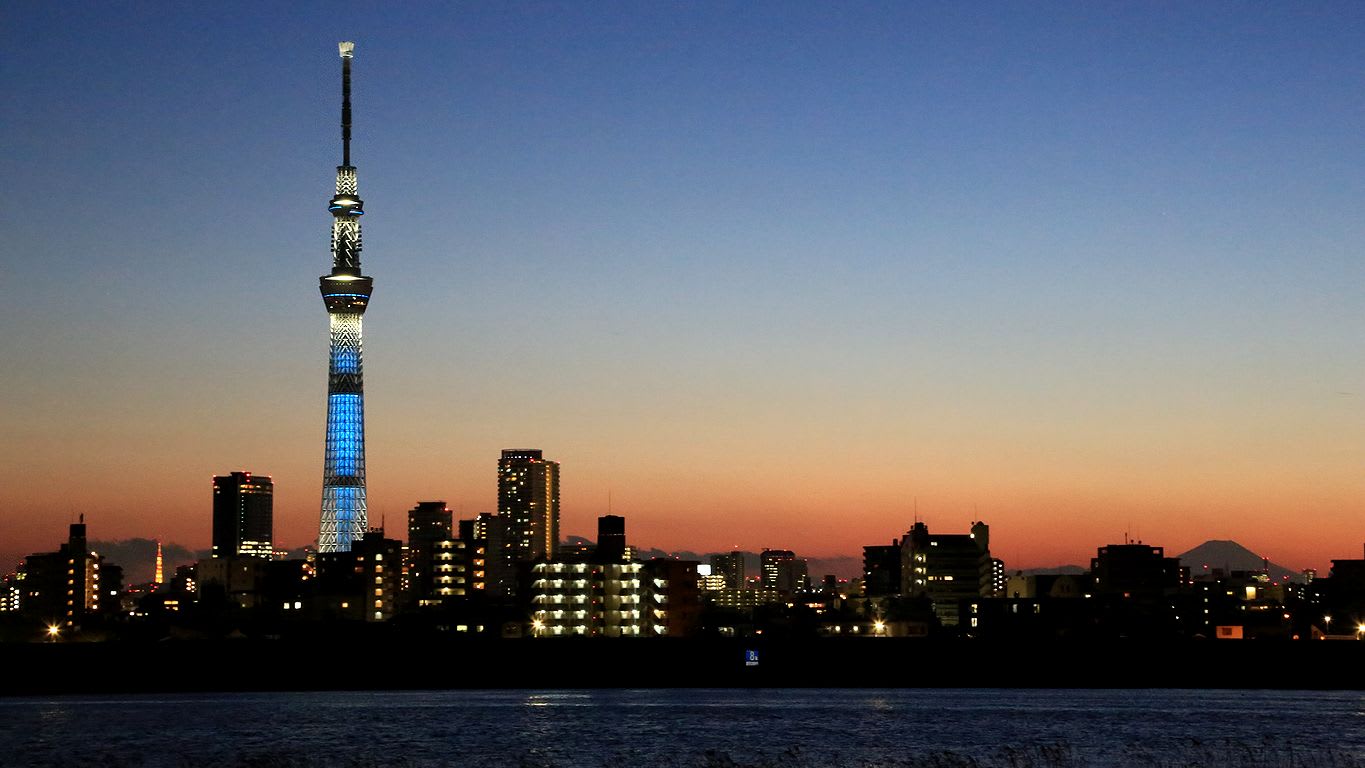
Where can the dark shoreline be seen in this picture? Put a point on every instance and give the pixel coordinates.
(356, 663)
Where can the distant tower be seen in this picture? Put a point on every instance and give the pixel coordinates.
(157, 578)
(528, 496)
(243, 516)
(346, 293)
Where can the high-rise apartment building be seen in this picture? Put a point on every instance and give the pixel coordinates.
(793, 575)
(729, 566)
(243, 515)
(783, 570)
(429, 522)
(528, 497)
(62, 588)
(488, 550)
(449, 572)
(882, 570)
(346, 294)
(429, 525)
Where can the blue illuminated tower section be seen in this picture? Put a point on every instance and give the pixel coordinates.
(346, 293)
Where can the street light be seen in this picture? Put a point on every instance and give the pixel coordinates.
(53, 631)
(879, 626)
(1328, 621)
(536, 626)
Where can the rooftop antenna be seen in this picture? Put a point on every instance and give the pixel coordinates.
(347, 51)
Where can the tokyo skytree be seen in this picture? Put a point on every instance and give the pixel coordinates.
(346, 293)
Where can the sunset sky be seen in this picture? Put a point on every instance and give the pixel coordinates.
(767, 274)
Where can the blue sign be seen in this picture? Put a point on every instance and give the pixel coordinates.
(751, 658)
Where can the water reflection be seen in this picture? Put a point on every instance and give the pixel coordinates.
(668, 728)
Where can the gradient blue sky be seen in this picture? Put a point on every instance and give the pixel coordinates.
(768, 273)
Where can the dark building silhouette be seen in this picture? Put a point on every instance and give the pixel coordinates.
(768, 565)
(611, 539)
(1138, 592)
(528, 497)
(729, 565)
(489, 551)
(674, 598)
(947, 568)
(232, 580)
(243, 515)
(1343, 597)
(363, 583)
(63, 588)
(882, 570)
(1133, 571)
(428, 524)
(576, 551)
(111, 587)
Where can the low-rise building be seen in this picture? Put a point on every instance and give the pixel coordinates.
(588, 599)
(655, 599)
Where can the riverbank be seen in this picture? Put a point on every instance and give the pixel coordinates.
(359, 663)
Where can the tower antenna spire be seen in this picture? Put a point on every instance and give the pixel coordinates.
(347, 51)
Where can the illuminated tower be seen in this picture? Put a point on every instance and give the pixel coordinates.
(157, 577)
(346, 293)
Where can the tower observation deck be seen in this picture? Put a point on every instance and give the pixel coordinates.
(346, 293)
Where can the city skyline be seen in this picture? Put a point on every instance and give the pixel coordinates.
(762, 276)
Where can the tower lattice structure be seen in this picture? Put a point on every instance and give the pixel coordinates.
(346, 293)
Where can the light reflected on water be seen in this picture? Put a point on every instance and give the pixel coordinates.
(684, 728)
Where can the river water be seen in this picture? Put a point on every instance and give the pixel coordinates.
(773, 728)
